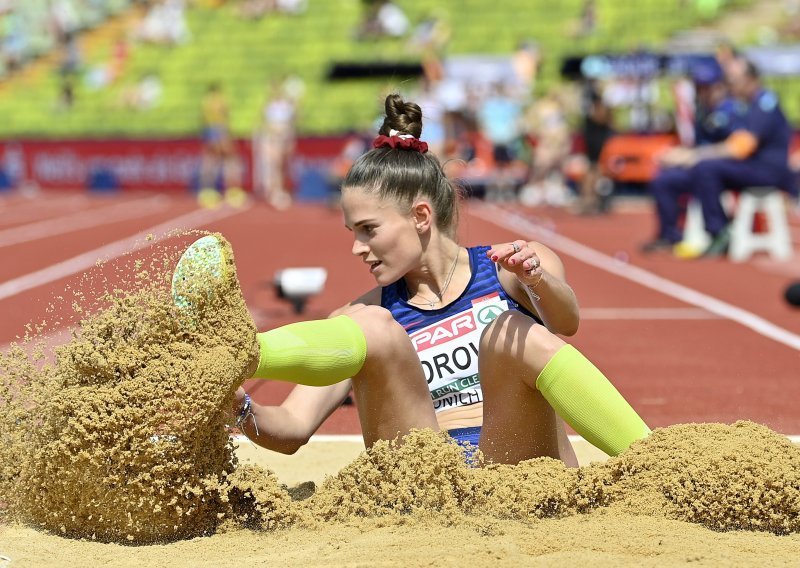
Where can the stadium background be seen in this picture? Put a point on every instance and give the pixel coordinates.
(108, 56)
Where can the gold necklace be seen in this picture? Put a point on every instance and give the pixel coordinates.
(432, 303)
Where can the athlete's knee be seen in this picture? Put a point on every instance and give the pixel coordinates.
(514, 334)
(381, 331)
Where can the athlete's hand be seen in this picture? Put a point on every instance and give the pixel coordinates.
(518, 257)
(238, 401)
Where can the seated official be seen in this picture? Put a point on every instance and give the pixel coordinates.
(755, 155)
(717, 115)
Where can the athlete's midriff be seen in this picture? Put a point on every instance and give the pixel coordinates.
(461, 417)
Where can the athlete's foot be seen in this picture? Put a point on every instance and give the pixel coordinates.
(200, 272)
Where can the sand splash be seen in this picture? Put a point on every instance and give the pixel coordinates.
(123, 438)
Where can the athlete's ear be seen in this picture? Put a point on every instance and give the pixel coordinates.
(422, 215)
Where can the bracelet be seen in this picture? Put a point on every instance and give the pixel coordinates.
(245, 413)
(531, 288)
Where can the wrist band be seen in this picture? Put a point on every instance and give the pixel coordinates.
(245, 412)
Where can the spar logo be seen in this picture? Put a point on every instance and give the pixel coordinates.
(487, 314)
(443, 331)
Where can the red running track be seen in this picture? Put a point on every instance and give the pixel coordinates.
(684, 341)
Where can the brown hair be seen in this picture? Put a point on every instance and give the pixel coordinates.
(405, 175)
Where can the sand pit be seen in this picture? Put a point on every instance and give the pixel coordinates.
(116, 453)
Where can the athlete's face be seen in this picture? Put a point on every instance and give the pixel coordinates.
(384, 236)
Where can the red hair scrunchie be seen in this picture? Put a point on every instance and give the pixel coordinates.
(400, 142)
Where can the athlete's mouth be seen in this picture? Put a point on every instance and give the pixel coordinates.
(374, 265)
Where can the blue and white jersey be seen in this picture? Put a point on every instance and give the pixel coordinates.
(447, 339)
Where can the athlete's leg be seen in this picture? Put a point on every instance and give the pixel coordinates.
(390, 390)
(518, 423)
(523, 364)
(365, 344)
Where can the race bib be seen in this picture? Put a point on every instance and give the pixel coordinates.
(448, 351)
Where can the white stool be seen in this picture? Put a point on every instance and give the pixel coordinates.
(694, 226)
(776, 238)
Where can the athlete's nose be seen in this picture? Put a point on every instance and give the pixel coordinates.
(359, 248)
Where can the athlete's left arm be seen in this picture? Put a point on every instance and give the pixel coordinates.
(534, 277)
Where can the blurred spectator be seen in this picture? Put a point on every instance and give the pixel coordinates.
(219, 155)
(433, 110)
(716, 116)
(433, 33)
(754, 155)
(107, 72)
(551, 133)
(526, 61)
(70, 56)
(729, 59)
(588, 19)
(500, 121)
(430, 39)
(144, 94)
(595, 191)
(257, 9)
(277, 139)
(66, 93)
(382, 18)
(65, 18)
(164, 23)
(68, 69)
(356, 144)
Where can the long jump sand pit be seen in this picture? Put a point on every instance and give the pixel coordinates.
(116, 453)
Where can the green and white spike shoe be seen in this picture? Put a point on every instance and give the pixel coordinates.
(200, 273)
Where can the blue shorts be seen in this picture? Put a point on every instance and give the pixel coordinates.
(467, 438)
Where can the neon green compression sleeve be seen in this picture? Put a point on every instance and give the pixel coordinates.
(588, 402)
(316, 353)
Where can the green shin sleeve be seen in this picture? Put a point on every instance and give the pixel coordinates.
(588, 402)
(316, 353)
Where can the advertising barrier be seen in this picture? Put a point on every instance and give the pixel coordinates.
(171, 165)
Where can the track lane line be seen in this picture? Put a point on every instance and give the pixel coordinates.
(81, 220)
(191, 220)
(511, 220)
(41, 207)
(646, 314)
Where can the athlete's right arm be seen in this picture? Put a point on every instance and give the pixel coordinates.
(287, 427)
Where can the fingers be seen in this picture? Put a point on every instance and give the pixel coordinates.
(532, 265)
(507, 251)
(238, 399)
(514, 255)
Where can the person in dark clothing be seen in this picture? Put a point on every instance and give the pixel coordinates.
(597, 130)
(755, 154)
(717, 115)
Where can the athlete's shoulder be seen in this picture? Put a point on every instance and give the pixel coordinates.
(371, 298)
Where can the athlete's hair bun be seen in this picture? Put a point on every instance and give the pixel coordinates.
(404, 117)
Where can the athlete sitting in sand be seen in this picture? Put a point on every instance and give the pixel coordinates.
(493, 312)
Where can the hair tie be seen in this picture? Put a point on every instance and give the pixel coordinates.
(398, 141)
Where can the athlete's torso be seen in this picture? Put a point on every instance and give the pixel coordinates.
(447, 339)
